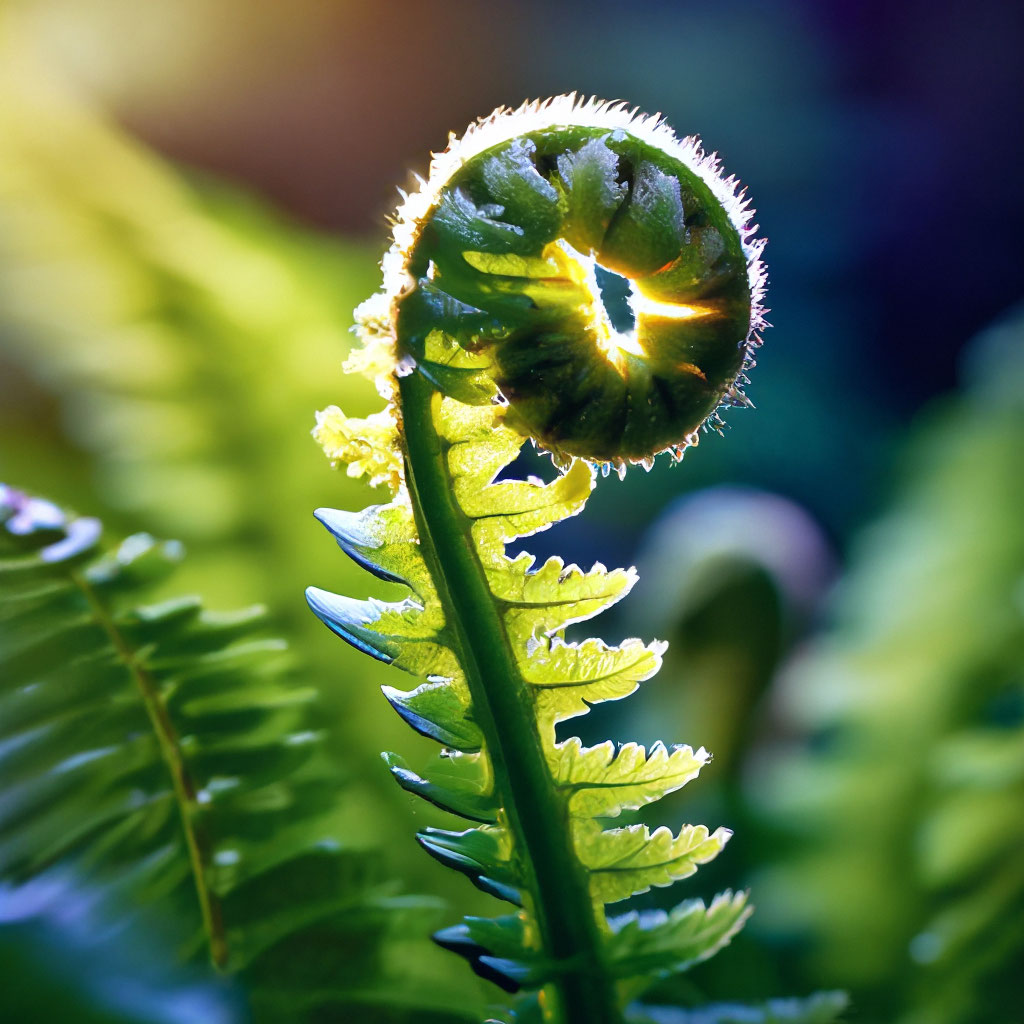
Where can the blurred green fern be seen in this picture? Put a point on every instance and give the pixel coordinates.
(909, 873)
(67, 952)
(164, 753)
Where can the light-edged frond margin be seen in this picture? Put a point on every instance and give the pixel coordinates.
(628, 861)
(604, 780)
(663, 942)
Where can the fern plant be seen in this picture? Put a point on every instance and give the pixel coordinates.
(165, 755)
(572, 274)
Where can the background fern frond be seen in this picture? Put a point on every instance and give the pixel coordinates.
(909, 874)
(166, 753)
(176, 324)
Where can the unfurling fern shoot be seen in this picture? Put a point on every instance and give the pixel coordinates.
(573, 274)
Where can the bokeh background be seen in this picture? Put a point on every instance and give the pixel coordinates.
(193, 196)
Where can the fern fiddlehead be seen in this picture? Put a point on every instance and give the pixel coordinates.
(498, 323)
(596, 270)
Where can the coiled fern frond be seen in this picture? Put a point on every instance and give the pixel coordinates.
(164, 755)
(495, 325)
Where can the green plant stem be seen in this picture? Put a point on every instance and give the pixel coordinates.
(181, 779)
(537, 815)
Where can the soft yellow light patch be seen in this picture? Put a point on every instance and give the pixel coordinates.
(511, 265)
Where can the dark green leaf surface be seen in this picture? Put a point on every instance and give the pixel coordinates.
(165, 753)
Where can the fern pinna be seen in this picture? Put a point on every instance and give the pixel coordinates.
(575, 275)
